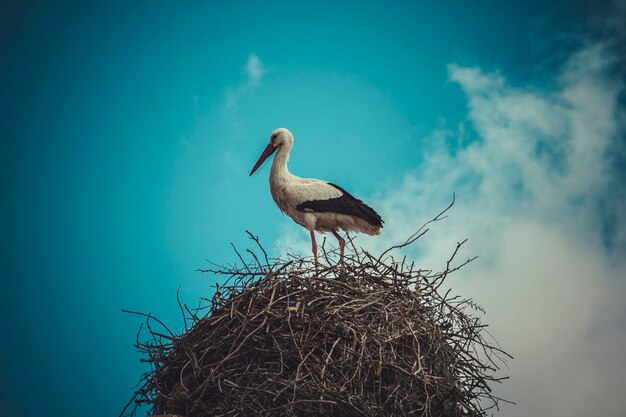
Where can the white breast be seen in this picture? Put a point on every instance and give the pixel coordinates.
(290, 191)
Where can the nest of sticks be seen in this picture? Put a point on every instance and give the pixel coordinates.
(374, 338)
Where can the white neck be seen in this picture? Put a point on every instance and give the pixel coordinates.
(279, 165)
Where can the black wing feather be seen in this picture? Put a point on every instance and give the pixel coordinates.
(346, 204)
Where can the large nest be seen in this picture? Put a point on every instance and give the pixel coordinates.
(375, 338)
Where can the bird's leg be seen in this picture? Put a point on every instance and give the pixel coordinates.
(342, 245)
(314, 248)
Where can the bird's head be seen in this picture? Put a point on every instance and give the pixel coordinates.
(280, 138)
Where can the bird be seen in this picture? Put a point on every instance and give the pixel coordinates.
(314, 204)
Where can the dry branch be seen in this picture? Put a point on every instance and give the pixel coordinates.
(277, 339)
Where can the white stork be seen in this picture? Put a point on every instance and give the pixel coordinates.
(314, 204)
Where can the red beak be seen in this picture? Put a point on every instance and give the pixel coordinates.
(266, 154)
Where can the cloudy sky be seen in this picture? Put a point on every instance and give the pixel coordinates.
(128, 132)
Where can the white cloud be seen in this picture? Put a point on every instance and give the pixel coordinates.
(542, 204)
(254, 70)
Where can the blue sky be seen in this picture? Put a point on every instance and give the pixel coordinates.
(128, 132)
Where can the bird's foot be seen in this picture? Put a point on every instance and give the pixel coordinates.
(342, 266)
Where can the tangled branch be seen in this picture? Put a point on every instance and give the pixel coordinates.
(375, 338)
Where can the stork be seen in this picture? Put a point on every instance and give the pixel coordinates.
(314, 204)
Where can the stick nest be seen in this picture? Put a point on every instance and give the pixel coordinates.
(375, 338)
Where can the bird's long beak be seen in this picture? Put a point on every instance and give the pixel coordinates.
(266, 154)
